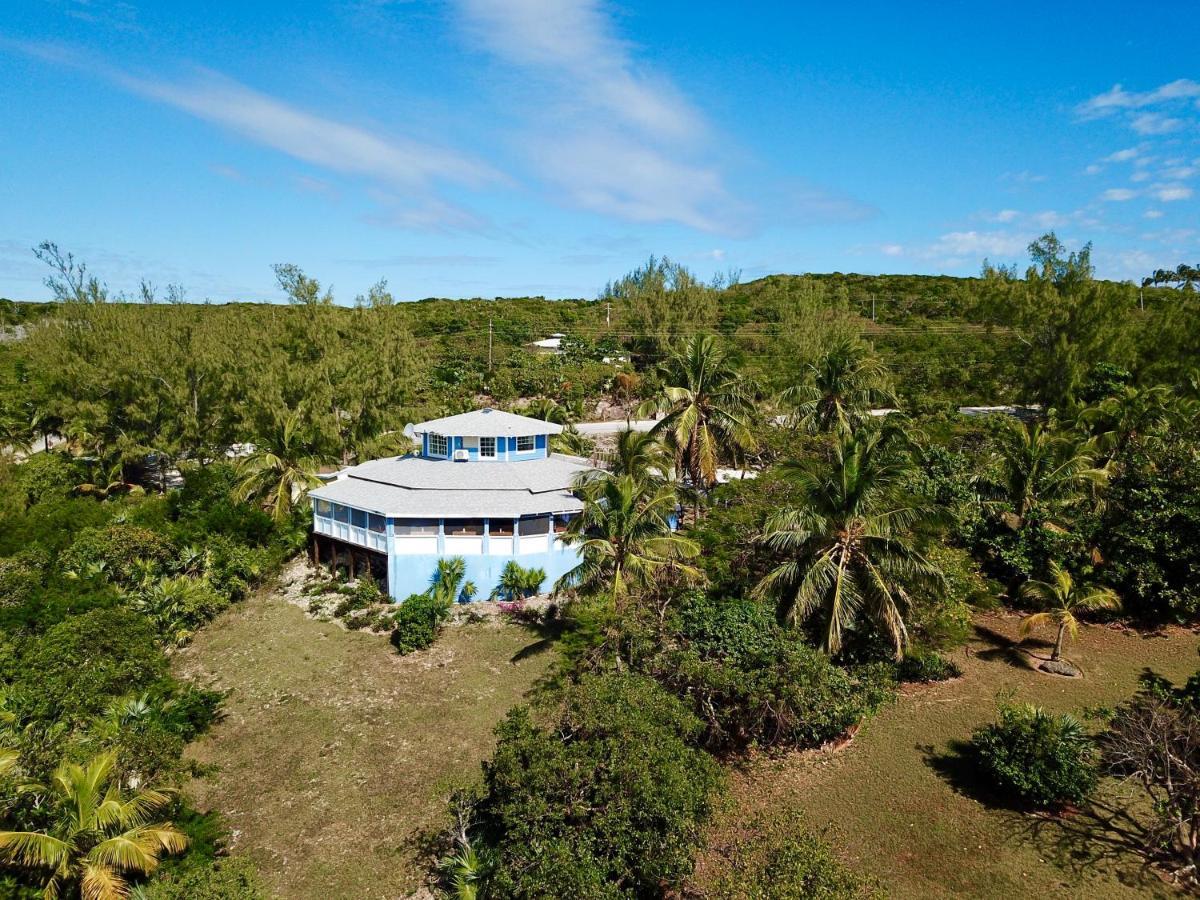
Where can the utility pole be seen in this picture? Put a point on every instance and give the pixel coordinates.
(489, 345)
(608, 314)
(872, 309)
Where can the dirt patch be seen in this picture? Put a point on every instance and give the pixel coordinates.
(335, 754)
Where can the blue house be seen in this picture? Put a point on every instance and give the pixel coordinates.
(484, 486)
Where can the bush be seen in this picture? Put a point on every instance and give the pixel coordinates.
(75, 670)
(205, 506)
(118, 550)
(46, 475)
(231, 878)
(518, 583)
(1043, 759)
(21, 576)
(784, 861)
(179, 605)
(754, 682)
(926, 666)
(418, 622)
(571, 810)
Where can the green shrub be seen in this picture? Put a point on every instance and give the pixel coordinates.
(21, 576)
(418, 621)
(229, 878)
(608, 800)
(754, 682)
(46, 475)
(786, 862)
(1044, 760)
(179, 605)
(518, 583)
(122, 552)
(926, 666)
(75, 669)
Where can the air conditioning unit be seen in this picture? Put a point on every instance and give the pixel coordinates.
(461, 455)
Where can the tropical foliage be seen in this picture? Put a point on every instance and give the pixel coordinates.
(845, 549)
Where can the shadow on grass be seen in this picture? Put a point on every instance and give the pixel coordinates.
(547, 633)
(957, 767)
(1002, 648)
(1100, 837)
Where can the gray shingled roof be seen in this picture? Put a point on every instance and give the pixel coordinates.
(409, 486)
(534, 475)
(488, 423)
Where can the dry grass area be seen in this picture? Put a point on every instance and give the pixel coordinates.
(901, 805)
(335, 754)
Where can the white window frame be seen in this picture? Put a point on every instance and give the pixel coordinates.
(483, 443)
(445, 445)
(532, 443)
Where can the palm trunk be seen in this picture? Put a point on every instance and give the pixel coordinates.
(1058, 641)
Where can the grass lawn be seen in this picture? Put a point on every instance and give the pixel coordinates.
(899, 804)
(335, 754)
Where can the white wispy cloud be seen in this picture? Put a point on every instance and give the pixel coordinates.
(311, 137)
(574, 41)
(1170, 192)
(405, 175)
(1117, 98)
(1118, 195)
(604, 132)
(1122, 155)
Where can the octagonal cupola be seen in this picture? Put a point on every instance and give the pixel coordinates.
(484, 435)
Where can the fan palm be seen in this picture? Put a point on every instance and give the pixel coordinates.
(845, 545)
(708, 409)
(1041, 470)
(1061, 598)
(449, 579)
(625, 538)
(98, 838)
(282, 468)
(840, 388)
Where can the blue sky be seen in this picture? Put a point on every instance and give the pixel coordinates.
(511, 147)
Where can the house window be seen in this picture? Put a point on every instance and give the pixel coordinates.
(532, 525)
(358, 518)
(321, 507)
(416, 527)
(526, 443)
(464, 527)
(487, 448)
(438, 445)
(562, 521)
(501, 528)
(378, 524)
(341, 513)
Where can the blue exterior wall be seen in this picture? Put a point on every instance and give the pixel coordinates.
(413, 574)
(506, 449)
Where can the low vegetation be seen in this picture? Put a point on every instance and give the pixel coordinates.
(709, 629)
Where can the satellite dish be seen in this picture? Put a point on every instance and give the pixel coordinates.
(410, 432)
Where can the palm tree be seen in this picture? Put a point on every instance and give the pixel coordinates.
(840, 388)
(1128, 415)
(450, 581)
(1043, 471)
(640, 454)
(282, 468)
(546, 409)
(573, 442)
(708, 409)
(1061, 598)
(846, 545)
(98, 837)
(625, 537)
